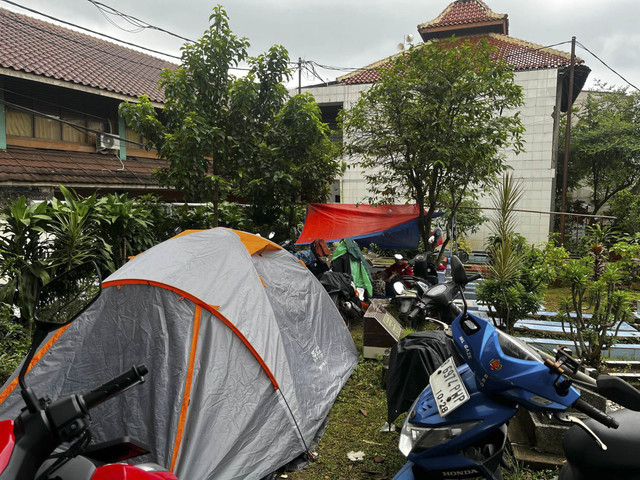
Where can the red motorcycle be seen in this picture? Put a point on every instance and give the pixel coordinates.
(28, 442)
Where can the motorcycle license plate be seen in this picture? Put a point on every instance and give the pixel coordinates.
(448, 388)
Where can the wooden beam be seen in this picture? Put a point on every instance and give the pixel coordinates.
(48, 144)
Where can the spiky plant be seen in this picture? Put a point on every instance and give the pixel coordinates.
(504, 291)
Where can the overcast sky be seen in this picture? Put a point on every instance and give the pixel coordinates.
(354, 33)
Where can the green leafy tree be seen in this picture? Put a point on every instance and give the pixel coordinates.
(436, 121)
(625, 206)
(466, 217)
(297, 164)
(223, 135)
(605, 144)
(195, 132)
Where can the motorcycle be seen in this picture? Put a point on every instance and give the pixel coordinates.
(414, 286)
(28, 442)
(432, 302)
(407, 300)
(456, 428)
(347, 298)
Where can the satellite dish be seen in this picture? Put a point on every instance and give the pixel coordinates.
(400, 47)
(409, 38)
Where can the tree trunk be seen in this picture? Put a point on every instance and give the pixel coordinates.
(290, 219)
(216, 206)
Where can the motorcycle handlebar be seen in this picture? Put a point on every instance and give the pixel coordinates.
(474, 277)
(113, 387)
(596, 414)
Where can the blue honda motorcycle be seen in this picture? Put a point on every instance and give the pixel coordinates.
(456, 429)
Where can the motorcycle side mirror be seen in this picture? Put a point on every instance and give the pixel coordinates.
(458, 273)
(399, 288)
(58, 303)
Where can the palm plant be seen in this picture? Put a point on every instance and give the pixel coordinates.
(75, 228)
(24, 248)
(125, 225)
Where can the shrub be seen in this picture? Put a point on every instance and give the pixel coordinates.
(14, 342)
(598, 287)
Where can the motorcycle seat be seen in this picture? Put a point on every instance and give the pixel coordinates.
(622, 444)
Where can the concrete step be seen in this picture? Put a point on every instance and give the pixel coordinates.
(622, 363)
(619, 350)
(625, 331)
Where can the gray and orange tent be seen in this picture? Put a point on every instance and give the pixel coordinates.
(246, 355)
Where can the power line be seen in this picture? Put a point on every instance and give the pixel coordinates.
(602, 61)
(62, 107)
(374, 69)
(140, 24)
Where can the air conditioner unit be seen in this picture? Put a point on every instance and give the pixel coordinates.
(105, 141)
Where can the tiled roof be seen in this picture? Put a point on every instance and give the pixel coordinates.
(31, 166)
(34, 46)
(522, 55)
(464, 12)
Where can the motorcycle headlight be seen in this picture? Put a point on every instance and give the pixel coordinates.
(417, 439)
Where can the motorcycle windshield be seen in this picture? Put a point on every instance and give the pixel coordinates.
(513, 347)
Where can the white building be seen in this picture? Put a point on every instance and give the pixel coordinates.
(541, 72)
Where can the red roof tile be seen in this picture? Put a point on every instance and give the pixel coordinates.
(34, 46)
(464, 12)
(32, 166)
(522, 55)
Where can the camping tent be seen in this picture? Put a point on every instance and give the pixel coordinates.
(246, 354)
(388, 226)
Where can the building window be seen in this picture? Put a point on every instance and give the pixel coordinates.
(18, 123)
(24, 124)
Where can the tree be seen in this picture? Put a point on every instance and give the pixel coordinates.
(435, 121)
(464, 214)
(198, 130)
(605, 144)
(297, 164)
(222, 134)
(625, 206)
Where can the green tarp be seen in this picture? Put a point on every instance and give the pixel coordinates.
(360, 270)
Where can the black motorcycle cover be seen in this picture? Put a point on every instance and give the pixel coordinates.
(413, 359)
(337, 282)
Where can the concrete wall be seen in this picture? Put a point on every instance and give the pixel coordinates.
(535, 167)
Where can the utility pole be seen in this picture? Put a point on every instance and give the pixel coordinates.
(567, 140)
(299, 75)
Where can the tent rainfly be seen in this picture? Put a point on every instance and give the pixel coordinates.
(388, 226)
(246, 354)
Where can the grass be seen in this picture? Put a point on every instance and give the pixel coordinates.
(354, 424)
(554, 295)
